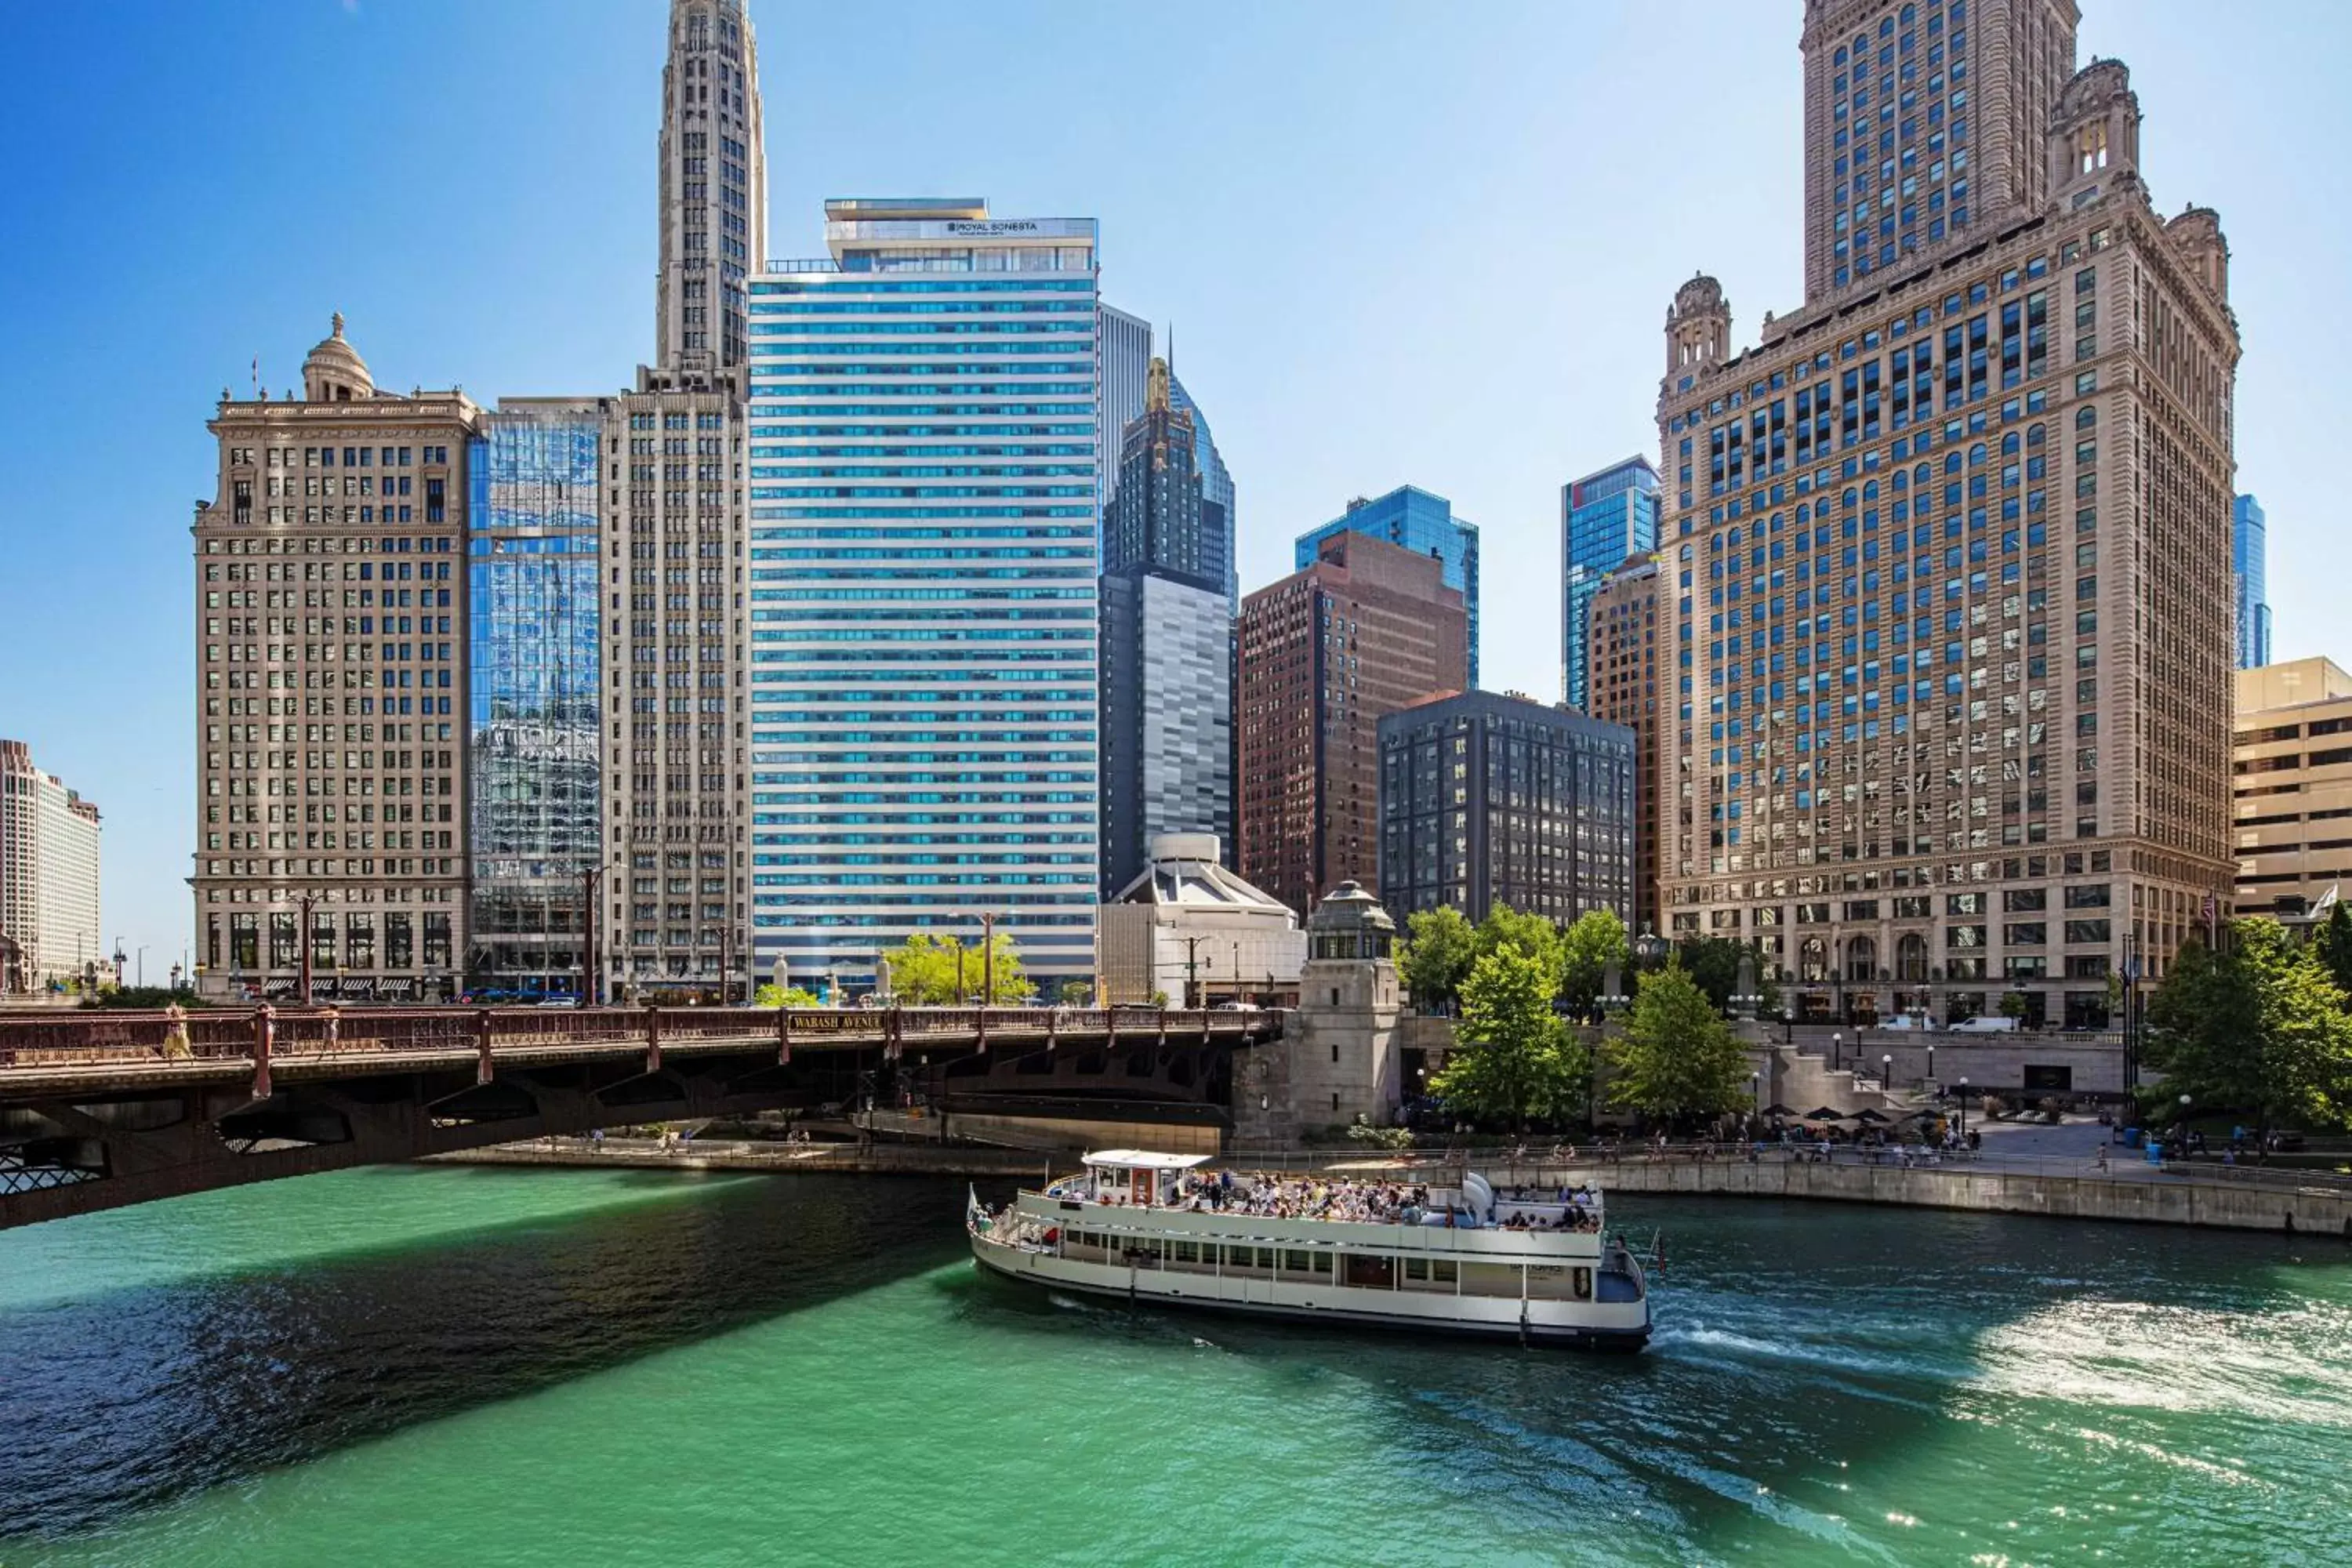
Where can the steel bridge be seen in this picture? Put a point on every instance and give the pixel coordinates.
(98, 1110)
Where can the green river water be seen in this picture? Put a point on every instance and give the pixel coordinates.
(480, 1367)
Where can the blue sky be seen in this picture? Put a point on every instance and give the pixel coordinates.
(1397, 242)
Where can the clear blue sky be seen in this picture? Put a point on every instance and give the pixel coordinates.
(1398, 242)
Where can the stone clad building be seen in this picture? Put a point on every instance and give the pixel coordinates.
(2292, 787)
(1622, 688)
(332, 690)
(1945, 564)
(48, 879)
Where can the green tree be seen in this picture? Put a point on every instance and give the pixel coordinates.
(2259, 1029)
(1532, 935)
(2013, 1004)
(1676, 1055)
(925, 972)
(785, 997)
(1713, 964)
(1595, 942)
(1439, 950)
(1516, 1059)
(2334, 945)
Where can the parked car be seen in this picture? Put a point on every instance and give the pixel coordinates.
(1994, 1025)
(559, 1001)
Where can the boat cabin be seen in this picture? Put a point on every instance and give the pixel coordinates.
(1139, 1177)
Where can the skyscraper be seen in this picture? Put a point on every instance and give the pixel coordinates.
(1423, 523)
(1488, 799)
(2249, 577)
(332, 768)
(1126, 366)
(1949, 549)
(1366, 628)
(1621, 683)
(1218, 516)
(675, 906)
(923, 586)
(532, 646)
(49, 878)
(1167, 647)
(1605, 519)
(714, 187)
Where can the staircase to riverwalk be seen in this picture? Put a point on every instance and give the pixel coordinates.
(1803, 1079)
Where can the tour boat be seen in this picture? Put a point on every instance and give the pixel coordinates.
(1441, 1256)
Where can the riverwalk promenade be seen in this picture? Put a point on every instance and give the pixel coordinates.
(2053, 1171)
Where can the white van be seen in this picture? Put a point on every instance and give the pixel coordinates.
(1994, 1025)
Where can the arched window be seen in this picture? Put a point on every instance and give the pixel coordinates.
(1813, 961)
(1911, 958)
(1861, 959)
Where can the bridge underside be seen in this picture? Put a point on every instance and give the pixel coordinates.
(78, 1151)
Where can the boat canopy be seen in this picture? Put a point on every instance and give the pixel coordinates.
(1145, 1160)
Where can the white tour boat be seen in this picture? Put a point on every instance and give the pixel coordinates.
(1401, 1254)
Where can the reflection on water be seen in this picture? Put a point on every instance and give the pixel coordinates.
(644, 1370)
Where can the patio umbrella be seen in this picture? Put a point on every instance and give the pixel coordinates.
(1867, 1114)
(1777, 1108)
(1823, 1113)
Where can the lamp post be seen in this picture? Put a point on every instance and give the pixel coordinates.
(1964, 1105)
(2180, 1129)
(1756, 1093)
(1837, 1043)
(1931, 1063)
(1885, 1071)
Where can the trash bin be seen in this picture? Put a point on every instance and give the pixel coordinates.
(2155, 1154)
(2132, 1137)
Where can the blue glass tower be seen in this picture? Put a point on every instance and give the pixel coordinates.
(1216, 492)
(923, 413)
(1421, 523)
(531, 638)
(2249, 541)
(1605, 519)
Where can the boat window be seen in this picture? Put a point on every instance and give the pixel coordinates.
(1186, 1252)
(1416, 1268)
(1444, 1270)
(1582, 1281)
(1266, 1259)
(1298, 1262)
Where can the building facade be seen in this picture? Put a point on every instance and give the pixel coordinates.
(1423, 523)
(332, 691)
(1126, 347)
(1327, 653)
(2291, 788)
(1949, 601)
(925, 700)
(1490, 800)
(714, 188)
(533, 702)
(1623, 660)
(48, 879)
(1190, 931)
(1217, 501)
(2250, 578)
(1605, 519)
(1167, 647)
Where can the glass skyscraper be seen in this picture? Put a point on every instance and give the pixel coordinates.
(1605, 519)
(924, 408)
(2249, 542)
(1423, 523)
(1217, 519)
(531, 639)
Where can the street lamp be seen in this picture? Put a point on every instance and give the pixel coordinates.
(1837, 1043)
(1755, 1092)
(1964, 1105)
(2181, 1129)
(1931, 1062)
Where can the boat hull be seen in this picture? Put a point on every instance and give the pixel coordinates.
(1158, 1289)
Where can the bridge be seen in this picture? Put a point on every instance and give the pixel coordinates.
(98, 1110)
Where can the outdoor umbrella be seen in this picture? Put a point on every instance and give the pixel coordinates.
(1777, 1108)
(1867, 1114)
(1823, 1113)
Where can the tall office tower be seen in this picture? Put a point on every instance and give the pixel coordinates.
(1622, 659)
(1488, 799)
(923, 519)
(673, 916)
(332, 772)
(1327, 653)
(1166, 648)
(1217, 515)
(1950, 602)
(714, 187)
(2291, 767)
(1126, 367)
(532, 717)
(2250, 576)
(1925, 121)
(1423, 523)
(49, 878)
(1605, 519)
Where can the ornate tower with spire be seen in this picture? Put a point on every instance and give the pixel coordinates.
(714, 188)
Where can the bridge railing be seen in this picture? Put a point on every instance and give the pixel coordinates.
(93, 1035)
